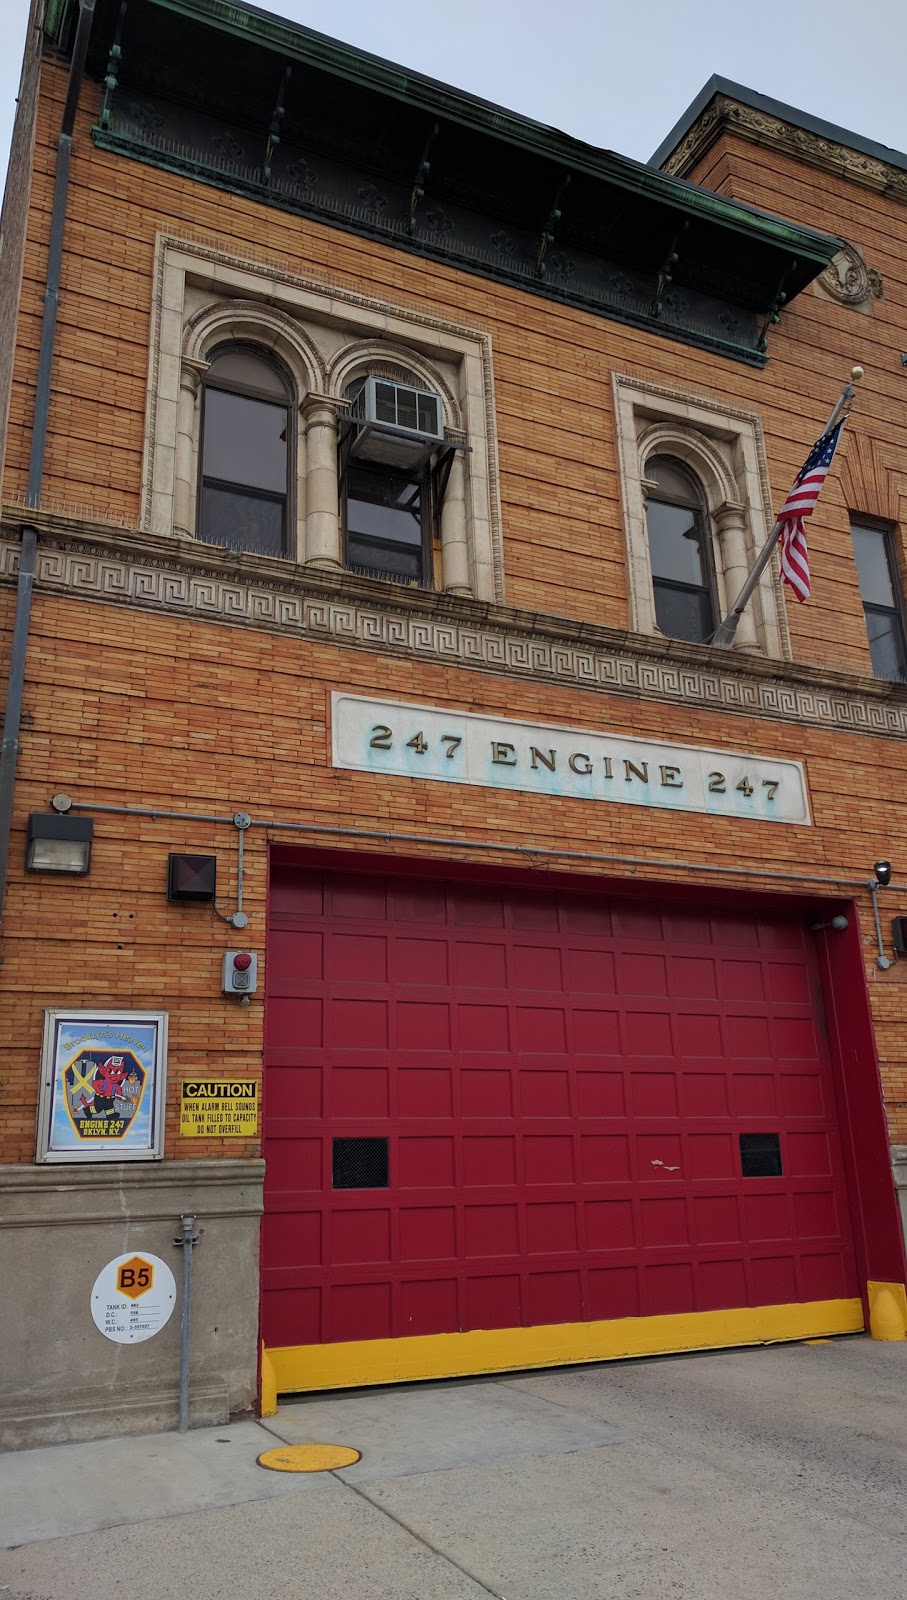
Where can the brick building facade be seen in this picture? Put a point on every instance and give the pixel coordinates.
(540, 882)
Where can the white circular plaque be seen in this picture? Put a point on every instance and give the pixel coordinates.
(133, 1297)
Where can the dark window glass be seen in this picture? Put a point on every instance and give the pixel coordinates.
(359, 1164)
(876, 570)
(242, 521)
(244, 454)
(760, 1155)
(386, 521)
(679, 552)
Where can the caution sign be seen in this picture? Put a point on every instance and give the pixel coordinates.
(219, 1108)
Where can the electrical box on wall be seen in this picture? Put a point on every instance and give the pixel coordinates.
(239, 972)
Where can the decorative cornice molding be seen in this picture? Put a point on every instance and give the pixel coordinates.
(801, 143)
(100, 564)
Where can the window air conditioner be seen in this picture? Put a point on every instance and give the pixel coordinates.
(416, 412)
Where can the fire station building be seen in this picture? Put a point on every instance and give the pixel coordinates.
(399, 884)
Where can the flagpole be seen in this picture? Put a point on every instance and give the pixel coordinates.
(724, 633)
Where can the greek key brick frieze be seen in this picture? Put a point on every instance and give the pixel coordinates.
(147, 581)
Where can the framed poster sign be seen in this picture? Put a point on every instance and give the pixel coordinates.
(103, 1081)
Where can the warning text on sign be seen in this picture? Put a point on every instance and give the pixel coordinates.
(219, 1108)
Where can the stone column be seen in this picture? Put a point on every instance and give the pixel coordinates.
(730, 521)
(322, 486)
(454, 541)
(191, 374)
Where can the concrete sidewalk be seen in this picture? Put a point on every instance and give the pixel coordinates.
(714, 1477)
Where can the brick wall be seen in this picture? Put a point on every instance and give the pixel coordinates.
(130, 707)
(563, 534)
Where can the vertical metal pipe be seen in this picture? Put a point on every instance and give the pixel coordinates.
(881, 959)
(12, 721)
(187, 1239)
(55, 255)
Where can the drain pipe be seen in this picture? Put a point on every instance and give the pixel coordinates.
(12, 722)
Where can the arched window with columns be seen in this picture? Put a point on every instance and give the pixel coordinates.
(697, 510)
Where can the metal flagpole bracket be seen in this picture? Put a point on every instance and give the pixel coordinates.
(724, 633)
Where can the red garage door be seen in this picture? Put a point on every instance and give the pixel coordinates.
(540, 1113)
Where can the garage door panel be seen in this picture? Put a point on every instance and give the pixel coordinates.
(559, 1088)
(715, 1219)
(600, 1092)
(484, 1027)
(694, 977)
(703, 1094)
(421, 961)
(652, 1093)
(425, 1091)
(648, 1033)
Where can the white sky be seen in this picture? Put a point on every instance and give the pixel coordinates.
(618, 75)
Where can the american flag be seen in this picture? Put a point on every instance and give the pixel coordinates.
(800, 503)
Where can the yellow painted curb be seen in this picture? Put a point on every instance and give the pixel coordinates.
(301, 1368)
(309, 1457)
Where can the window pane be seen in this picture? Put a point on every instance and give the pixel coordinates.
(242, 367)
(672, 480)
(871, 551)
(383, 504)
(886, 644)
(242, 521)
(399, 561)
(684, 613)
(675, 543)
(245, 441)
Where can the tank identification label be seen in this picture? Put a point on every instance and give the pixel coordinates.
(133, 1297)
(219, 1108)
(409, 741)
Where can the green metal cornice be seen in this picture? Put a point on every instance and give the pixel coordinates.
(295, 42)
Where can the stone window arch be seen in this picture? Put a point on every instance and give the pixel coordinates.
(722, 450)
(322, 334)
(425, 504)
(241, 325)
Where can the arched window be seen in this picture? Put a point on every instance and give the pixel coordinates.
(683, 577)
(243, 484)
(391, 487)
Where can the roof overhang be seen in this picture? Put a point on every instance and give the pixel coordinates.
(312, 125)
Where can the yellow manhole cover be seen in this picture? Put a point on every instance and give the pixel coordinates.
(309, 1457)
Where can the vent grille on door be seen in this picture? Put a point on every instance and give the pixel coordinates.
(760, 1155)
(359, 1164)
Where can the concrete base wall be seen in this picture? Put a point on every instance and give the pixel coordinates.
(60, 1378)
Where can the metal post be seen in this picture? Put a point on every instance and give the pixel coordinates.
(12, 722)
(185, 1240)
(724, 633)
(881, 959)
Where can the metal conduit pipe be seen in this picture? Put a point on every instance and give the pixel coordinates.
(525, 850)
(12, 721)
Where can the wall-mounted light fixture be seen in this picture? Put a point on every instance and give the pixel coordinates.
(58, 843)
(881, 878)
(192, 878)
